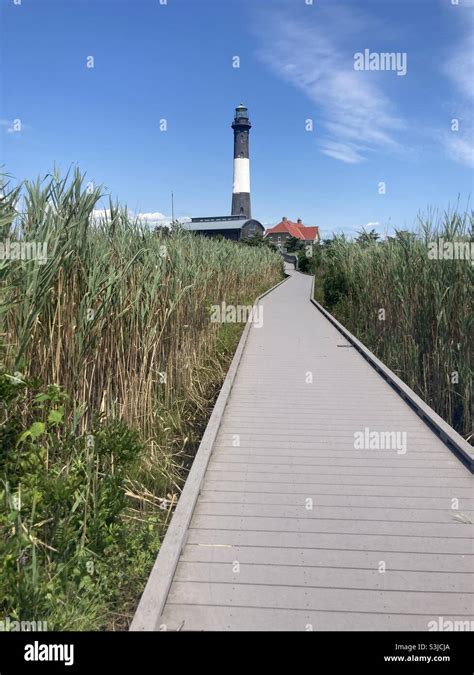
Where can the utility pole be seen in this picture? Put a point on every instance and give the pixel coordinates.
(172, 207)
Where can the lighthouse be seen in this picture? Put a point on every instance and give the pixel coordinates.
(241, 184)
(239, 225)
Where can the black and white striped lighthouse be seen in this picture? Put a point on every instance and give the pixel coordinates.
(241, 185)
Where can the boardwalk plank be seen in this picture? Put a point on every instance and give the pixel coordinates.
(338, 487)
(341, 541)
(332, 599)
(440, 480)
(199, 617)
(393, 528)
(314, 577)
(317, 512)
(440, 563)
(348, 469)
(362, 501)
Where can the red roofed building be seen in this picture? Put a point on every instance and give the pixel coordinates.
(286, 229)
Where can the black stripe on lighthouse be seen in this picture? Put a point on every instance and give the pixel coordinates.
(241, 184)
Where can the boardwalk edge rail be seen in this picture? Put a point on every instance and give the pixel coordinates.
(455, 442)
(148, 614)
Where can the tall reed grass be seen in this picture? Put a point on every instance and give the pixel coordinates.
(118, 308)
(118, 318)
(414, 312)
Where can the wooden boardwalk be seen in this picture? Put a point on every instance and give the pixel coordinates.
(292, 527)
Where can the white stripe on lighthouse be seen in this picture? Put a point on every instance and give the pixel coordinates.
(241, 175)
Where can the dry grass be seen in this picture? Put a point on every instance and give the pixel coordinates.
(118, 309)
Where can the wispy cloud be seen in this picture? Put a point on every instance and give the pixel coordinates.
(461, 66)
(459, 69)
(157, 219)
(353, 111)
(460, 148)
(152, 219)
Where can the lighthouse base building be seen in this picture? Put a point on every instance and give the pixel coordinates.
(239, 225)
(230, 227)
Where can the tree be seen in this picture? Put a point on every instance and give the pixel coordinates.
(404, 236)
(365, 238)
(257, 240)
(292, 244)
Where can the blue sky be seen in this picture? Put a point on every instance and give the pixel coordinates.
(174, 61)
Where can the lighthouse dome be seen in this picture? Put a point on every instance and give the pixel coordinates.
(241, 111)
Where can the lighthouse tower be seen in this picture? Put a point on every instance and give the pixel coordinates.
(241, 185)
